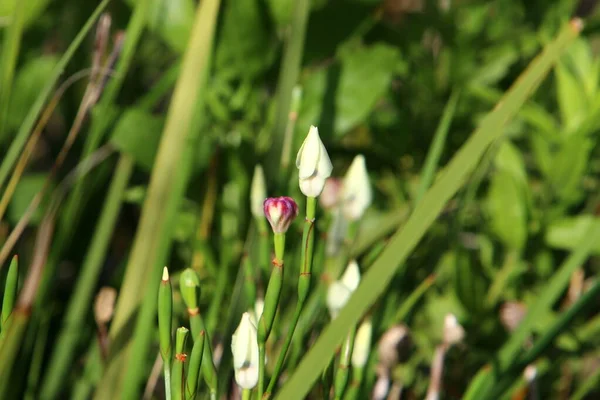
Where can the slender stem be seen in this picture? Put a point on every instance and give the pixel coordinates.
(303, 287)
(246, 394)
(265, 324)
(342, 373)
(283, 352)
(261, 369)
(290, 69)
(167, 376)
(264, 249)
(358, 374)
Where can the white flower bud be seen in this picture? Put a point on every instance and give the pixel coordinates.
(258, 192)
(339, 292)
(337, 297)
(362, 345)
(453, 331)
(244, 346)
(356, 194)
(313, 164)
(351, 277)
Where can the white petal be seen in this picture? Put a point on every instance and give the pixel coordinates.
(351, 277)
(356, 194)
(362, 345)
(247, 377)
(337, 297)
(308, 156)
(325, 167)
(312, 187)
(243, 342)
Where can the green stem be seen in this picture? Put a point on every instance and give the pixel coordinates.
(341, 376)
(290, 70)
(265, 324)
(264, 249)
(303, 287)
(167, 378)
(261, 368)
(249, 280)
(354, 388)
(283, 352)
(195, 364)
(178, 375)
(209, 370)
(246, 394)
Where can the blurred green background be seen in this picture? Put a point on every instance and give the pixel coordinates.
(376, 78)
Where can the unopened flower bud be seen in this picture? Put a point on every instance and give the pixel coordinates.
(189, 286)
(339, 292)
(356, 194)
(453, 331)
(105, 305)
(258, 192)
(313, 164)
(280, 212)
(331, 194)
(362, 345)
(351, 277)
(244, 346)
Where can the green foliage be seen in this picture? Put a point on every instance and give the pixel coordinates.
(473, 224)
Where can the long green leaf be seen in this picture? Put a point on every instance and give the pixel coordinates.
(404, 241)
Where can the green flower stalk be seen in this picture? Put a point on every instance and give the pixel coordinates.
(280, 212)
(193, 373)
(165, 313)
(342, 373)
(178, 377)
(10, 291)
(249, 281)
(189, 285)
(258, 194)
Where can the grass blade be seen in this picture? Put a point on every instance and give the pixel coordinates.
(10, 53)
(435, 151)
(10, 290)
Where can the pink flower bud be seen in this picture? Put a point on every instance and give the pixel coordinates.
(331, 194)
(280, 212)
